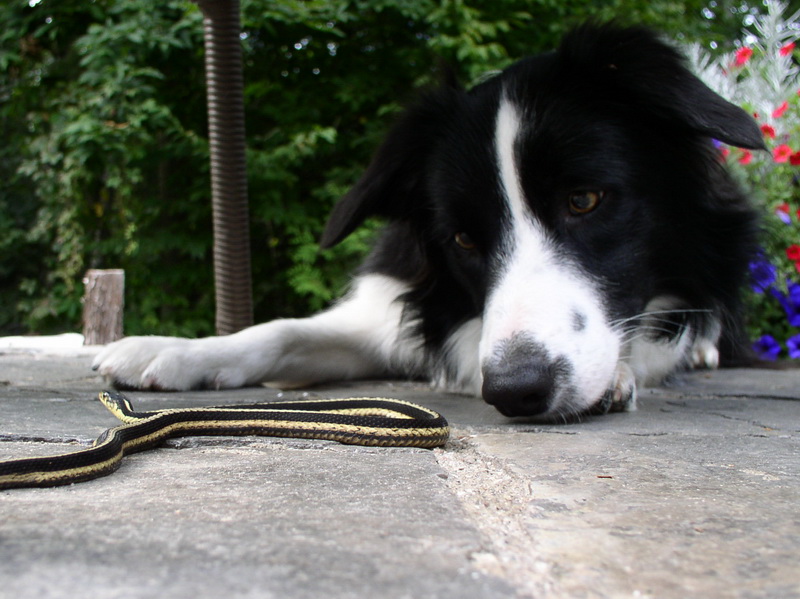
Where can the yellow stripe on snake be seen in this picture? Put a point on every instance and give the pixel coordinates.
(356, 421)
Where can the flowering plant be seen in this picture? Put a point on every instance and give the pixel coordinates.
(761, 76)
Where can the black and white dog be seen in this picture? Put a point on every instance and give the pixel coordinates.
(557, 235)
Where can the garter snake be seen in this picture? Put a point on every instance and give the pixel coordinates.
(357, 421)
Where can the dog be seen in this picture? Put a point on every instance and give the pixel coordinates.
(555, 236)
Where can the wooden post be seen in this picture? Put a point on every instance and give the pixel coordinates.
(103, 303)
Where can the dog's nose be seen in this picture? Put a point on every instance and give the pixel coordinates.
(518, 390)
(521, 378)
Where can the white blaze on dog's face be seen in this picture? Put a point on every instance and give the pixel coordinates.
(546, 346)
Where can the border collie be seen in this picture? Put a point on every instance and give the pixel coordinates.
(556, 236)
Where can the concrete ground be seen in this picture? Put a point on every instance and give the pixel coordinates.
(697, 494)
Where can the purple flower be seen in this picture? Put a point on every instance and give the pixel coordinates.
(790, 303)
(793, 345)
(782, 212)
(762, 275)
(767, 348)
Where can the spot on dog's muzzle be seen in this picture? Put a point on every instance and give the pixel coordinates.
(522, 379)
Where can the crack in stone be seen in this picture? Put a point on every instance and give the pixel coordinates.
(292, 443)
(14, 438)
(497, 501)
(733, 418)
(755, 423)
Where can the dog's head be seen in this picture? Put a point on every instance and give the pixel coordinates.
(555, 200)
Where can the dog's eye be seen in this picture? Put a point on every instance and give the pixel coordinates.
(583, 202)
(464, 241)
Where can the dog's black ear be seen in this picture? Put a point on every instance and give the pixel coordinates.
(655, 76)
(393, 184)
(710, 114)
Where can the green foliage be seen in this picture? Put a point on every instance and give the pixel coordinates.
(101, 140)
(103, 115)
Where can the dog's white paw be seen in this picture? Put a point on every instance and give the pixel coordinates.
(164, 363)
(621, 395)
(704, 354)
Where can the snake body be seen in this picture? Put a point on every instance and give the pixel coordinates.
(355, 421)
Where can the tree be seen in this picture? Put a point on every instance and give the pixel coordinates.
(104, 165)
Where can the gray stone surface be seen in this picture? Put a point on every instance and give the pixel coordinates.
(694, 495)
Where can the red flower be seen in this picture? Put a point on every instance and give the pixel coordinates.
(768, 131)
(742, 56)
(794, 159)
(793, 252)
(746, 157)
(782, 153)
(783, 208)
(778, 113)
(787, 49)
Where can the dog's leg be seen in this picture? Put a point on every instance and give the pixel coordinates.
(359, 337)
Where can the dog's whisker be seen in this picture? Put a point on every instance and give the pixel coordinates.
(675, 331)
(651, 314)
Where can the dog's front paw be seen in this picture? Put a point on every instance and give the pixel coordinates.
(161, 363)
(621, 395)
(704, 354)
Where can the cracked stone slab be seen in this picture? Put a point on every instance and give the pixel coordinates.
(264, 520)
(693, 495)
(610, 515)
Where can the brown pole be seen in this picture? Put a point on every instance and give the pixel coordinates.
(224, 82)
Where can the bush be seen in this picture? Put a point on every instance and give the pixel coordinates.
(762, 77)
(104, 161)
